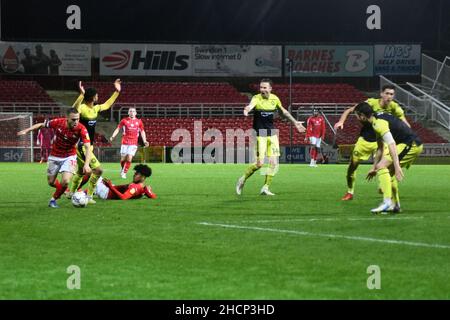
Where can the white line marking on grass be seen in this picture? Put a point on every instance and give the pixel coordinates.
(333, 219)
(329, 235)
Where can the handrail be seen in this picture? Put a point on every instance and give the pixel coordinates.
(440, 103)
(165, 110)
(34, 107)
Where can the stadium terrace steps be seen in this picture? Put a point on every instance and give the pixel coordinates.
(352, 127)
(16, 92)
(159, 130)
(316, 93)
(171, 92)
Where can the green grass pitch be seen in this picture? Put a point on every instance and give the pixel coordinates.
(199, 240)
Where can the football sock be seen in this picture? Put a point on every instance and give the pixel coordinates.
(92, 183)
(395, 191)
(126, 166)
(122, 162)
(59, 190)
(268, 180)
(75, 183)
(384, 179)
(350, 181)
(56, 184)
(250, 170)
(311, 152)
(84, 180)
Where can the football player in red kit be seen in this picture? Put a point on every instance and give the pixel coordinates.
(63, 155)
(131, 127)
(135, 190)
(44, 140)
(315, 132)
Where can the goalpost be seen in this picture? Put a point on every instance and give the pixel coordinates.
(15, 148)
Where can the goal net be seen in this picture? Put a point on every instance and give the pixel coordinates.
(15, 148)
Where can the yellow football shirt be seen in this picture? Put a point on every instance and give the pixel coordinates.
(269, 104)
(91, 113)
(392, 108)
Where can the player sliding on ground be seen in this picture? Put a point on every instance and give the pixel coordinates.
(135, 190)
(403, 147)
(366, 144)
(265, 105)
(131, 128)
(63, 159)
(88, 116)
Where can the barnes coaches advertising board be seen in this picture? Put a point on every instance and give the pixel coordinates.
(330, 61)
(145, 59)
(64, 59)
(236, 60)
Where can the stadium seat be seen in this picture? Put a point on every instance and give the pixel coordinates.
(316, 93)
(171, 92)
(13, 91)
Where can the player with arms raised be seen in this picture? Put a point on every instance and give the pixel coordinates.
(131, 128)
(62, 159)
(88, 116)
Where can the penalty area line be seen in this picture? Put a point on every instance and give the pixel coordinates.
(329, 235)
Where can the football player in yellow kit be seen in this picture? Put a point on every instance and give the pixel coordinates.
(87, 106)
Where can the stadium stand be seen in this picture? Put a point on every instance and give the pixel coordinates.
(315, 93)
(171, 92)
(12, 91)
(26, 96)
(352, 128)
(159, 130)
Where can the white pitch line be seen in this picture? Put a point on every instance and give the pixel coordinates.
(332, 219)
(326, 235)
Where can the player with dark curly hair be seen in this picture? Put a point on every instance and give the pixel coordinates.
(135, 190)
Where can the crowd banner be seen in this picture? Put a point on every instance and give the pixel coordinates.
(330, 61)
(397, 59)
(236, 61)
(128, 59)
(43, 58)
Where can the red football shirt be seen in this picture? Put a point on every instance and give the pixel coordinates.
(131, 129)
(315, 127)
(66, 139)
(128, 191)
